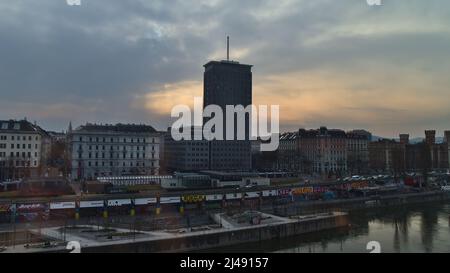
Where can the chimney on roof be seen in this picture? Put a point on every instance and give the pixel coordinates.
(447, 136)
(404, 138)
(430, 137)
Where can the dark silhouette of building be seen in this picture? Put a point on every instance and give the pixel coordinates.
(229, 83)
(404, 139)
(357, 151)
(438, 151)
(417, 157)
(186, 155)
(430, 137)
(387, 155)
(288, 153)
(428, 154)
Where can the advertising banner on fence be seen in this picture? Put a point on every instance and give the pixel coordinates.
(62, 205)
(320, 189)
(193, 198)
(252, 194)
(230, 196)
(91, 204)
(145, 201)
(118, 202)
(302, 190)
(214, 197)
(270, 193)
(4, 207)
(31, 207)
(170, 200)
(284, 192)
(32, 212)
(309, 190)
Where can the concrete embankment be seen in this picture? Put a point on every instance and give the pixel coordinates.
(228, 236)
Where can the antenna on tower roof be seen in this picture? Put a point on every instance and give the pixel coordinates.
(228, 48)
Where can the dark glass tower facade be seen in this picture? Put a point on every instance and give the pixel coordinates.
(229, 83)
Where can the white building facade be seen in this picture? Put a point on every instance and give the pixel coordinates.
(113, 150)
(20, 148)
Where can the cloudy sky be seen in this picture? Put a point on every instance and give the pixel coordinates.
(342, 64)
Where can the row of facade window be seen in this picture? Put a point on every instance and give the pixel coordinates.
(111, 148)
(18, 138)
(202, 154)
(227, 159)
(319, 152)
(117, 155)
(199, 149)
(111, 164)
(236, 166)
(230, 155)
(18, 154)
(19, 163)
(334, 153)
(195, 166)
(197, 159)
(194, 143)
(91, 176)
(106, 139)
(357, 146)
(18, 146)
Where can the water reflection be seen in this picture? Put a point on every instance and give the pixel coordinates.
(429, 225)
(424, 228)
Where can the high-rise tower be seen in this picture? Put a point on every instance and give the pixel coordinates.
(229, 83)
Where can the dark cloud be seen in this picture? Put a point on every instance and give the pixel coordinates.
(96, 59)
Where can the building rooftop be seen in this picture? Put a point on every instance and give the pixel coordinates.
(322, 131)
(359, 134)
(225, 62)
(384, 140)
(53, 133)
(119, 128)
(19, 126)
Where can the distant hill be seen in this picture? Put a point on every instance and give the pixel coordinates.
(417, 140)
(376, 138)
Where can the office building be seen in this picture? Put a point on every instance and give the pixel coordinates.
(229, 83)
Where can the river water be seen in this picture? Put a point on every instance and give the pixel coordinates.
(418, 228)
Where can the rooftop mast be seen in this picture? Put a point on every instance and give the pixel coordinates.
(228, 48)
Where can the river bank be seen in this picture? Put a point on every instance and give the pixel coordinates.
(414, 228)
